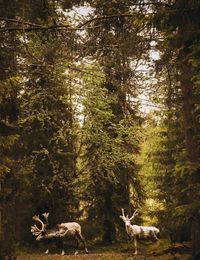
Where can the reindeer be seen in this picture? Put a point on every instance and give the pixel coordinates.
(59, 231)
(138, 232)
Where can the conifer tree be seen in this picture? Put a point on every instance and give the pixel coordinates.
(111, 44)
(178, 21)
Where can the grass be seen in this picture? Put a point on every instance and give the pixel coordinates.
(117, 251)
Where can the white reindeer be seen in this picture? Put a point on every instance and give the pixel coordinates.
(138, 232)
(59, 231)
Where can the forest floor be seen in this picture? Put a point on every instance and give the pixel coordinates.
(160, 250)
(105, 256)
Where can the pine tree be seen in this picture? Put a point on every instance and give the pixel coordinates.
(110, 43)
(179, 26)
(10, 81)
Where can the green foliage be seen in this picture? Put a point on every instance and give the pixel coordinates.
(178, 22)
(107, 157)
(71, 131)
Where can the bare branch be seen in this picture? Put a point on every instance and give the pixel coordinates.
(105, 17)
(18, 21)
(59, 27)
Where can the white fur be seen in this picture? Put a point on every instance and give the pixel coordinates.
(59, 231)
(138, 232)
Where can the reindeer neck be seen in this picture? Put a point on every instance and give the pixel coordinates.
(129, 229)
(53, 232)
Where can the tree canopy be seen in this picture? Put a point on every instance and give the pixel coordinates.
(99, 110)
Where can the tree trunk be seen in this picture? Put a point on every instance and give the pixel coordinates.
(1, 224)
(109, 228)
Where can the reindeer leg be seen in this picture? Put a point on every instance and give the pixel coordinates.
(47, 243)
(135, 246)
(62, 245)
(129, 238)
(83, 241)
(77, 245)
(153, 236)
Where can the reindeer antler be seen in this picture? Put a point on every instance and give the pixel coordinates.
(123, 215)
(35, 228)
(134, 214)
(123, 212)
(46, 215)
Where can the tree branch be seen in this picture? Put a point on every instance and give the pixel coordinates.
(105, 17)
(59, 27)
(18, 21)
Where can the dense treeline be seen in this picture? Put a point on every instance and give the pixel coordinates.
(75, 79)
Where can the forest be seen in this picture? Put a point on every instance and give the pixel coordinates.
(99, 112)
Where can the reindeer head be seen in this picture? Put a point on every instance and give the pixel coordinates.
(126, 219)
(39, 233)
